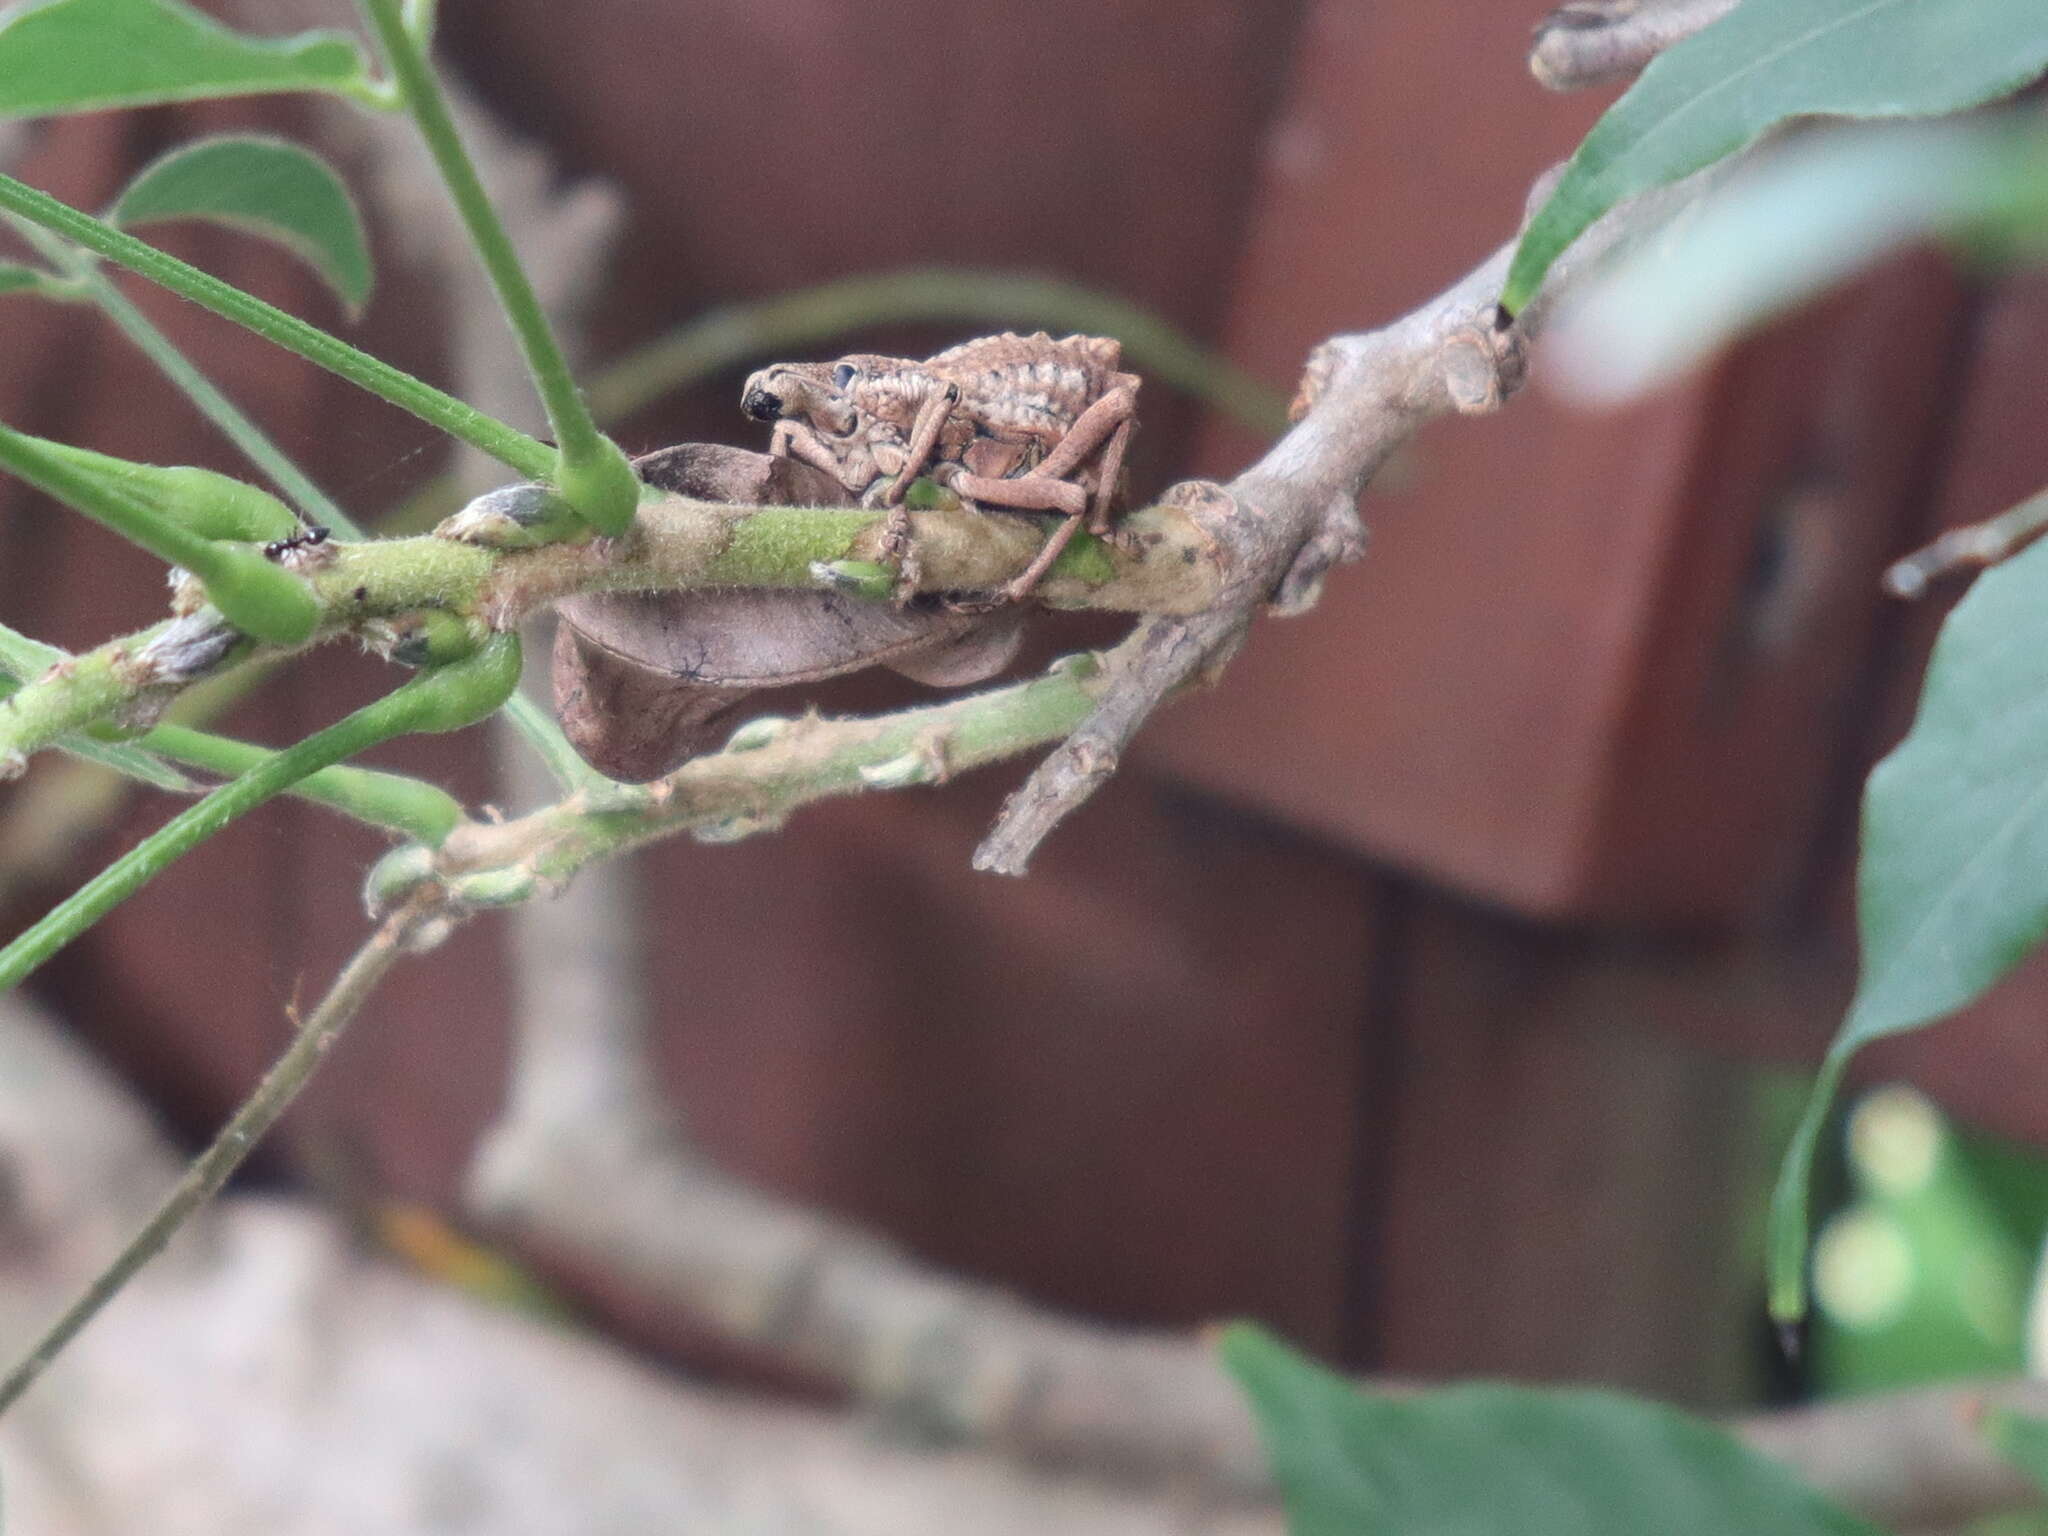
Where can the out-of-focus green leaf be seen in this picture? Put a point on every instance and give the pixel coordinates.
(1768, 61)
(266, 186)
(1952, 885)
(2022, 1440)
(1519, 1461)
(85, 55)
(1817, 212)
(1923, 1276)
(17, 278)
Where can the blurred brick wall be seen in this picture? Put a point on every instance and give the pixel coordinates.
(1371, 998)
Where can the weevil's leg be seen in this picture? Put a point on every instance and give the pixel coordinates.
(1030, 493)
(900, 550)
(1026, 493)
(1107, 471)
(794, 440)
(1100, 423)
(924, 437)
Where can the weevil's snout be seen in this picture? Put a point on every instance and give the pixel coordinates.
(758, 400)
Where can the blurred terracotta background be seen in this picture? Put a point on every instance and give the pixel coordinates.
(1406, 990)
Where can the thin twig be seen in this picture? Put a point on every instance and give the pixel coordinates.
(1969, 549)
(212, 1168)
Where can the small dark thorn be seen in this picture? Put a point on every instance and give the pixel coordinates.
(1791, 1339)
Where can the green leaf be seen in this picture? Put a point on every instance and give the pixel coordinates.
(1768, 61)
(1813, 215)
(2022, 1440)
(264, 186)
(1952, 886)
(18, 278)
(86, 55)
(1520, 1461)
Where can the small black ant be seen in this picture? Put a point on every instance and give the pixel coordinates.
(313, 536)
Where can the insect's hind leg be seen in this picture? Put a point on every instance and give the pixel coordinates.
(1030, 493)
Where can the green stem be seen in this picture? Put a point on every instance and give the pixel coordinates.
(593, 475)
(211, 1169)
(546, 738)
(315, 504)
(255, 596)
(506, 444)
(419, 20)
(256, 446)
(439, 700)
(418, 810)
(770, 769)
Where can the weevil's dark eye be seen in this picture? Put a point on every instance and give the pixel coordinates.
(844, 375)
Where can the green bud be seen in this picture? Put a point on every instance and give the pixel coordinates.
(496, 887)
(514, 517)
(857, 578)
(900, 772)
(927, 495)
(258, 598)
(396, 876)
(759, 733)
(731, 829)
(432, 637)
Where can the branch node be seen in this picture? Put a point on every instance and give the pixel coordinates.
(183, 650)
(1593, 42)
(1340, 539)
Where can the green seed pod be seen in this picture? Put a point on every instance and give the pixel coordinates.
(212, 505)
(255, 596)
(446, 698)
(216, 506)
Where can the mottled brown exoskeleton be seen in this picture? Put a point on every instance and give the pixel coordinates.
(1018, 423)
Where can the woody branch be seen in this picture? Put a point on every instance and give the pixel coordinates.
(586, 1162)
(1290, 517)
(676, 544)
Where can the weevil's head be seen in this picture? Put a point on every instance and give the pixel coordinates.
(806, 392)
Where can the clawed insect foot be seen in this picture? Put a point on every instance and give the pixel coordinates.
(899, 549)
